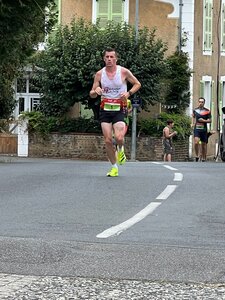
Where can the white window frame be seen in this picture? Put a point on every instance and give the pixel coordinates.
(208, 92)
(94, 11)
(26, 95)
(207, 46)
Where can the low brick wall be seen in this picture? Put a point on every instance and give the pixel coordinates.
(91, 146)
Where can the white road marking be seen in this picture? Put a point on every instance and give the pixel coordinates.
(178, 177)
(169, 167)
(116, 230)
(167, 192)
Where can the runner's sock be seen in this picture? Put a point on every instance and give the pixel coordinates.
(120, 148)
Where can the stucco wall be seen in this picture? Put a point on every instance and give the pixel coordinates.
(73, 8)
(90, 146)
(152, 14)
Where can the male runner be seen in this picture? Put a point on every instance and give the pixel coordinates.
(200, 118)
(111, 84)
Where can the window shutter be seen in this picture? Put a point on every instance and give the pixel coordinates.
(110, 10)
(202, 88)
(207, 34)
(103, 11)
(117, 10)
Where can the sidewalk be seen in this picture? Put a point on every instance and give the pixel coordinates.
(19, 287)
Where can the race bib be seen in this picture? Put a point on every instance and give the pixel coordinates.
(111, 106)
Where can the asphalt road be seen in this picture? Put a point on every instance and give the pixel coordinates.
(156, 222)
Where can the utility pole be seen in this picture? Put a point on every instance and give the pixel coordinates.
(134, 111)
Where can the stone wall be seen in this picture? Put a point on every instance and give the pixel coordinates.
(91, 146)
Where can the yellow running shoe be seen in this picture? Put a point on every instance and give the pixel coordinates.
(113, 172)
(121, 157)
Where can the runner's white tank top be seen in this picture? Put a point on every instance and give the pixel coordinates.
(112, 88)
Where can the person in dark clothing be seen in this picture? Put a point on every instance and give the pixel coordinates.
(200, 118)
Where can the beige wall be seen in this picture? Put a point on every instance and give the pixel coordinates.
(73, 8)
(151, 14)
(154, 14)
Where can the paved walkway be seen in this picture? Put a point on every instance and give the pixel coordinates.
(18, 287)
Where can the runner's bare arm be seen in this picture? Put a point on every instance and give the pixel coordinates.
(204, 121)
(127, 75)
(96, 88)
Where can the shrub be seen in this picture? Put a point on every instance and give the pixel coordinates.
(41, 124)
(154, 126)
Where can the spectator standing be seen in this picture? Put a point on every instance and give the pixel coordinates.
(168, 134)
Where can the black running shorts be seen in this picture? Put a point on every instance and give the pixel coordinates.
(201, 134)
(111, 116)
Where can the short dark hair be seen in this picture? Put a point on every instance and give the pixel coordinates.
(201, 98)
(109, 49)
(169, 121)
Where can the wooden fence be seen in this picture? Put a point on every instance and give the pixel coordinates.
(8, 143)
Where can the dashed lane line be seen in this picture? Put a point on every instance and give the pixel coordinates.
(178, 177)
(167, 192)
(118, 229)
(170, 168)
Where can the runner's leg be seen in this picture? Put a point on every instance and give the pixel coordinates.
(196, 142)
(110, 150)
(119, 132)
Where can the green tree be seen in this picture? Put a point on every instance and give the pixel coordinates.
(23, 24)
(74, 55)
(177, 95)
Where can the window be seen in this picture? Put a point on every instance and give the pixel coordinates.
(34, 103)
(27, 96)
(110, 10)
(207, 26)
(223, 28)
(21, 85)
(21, 104)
